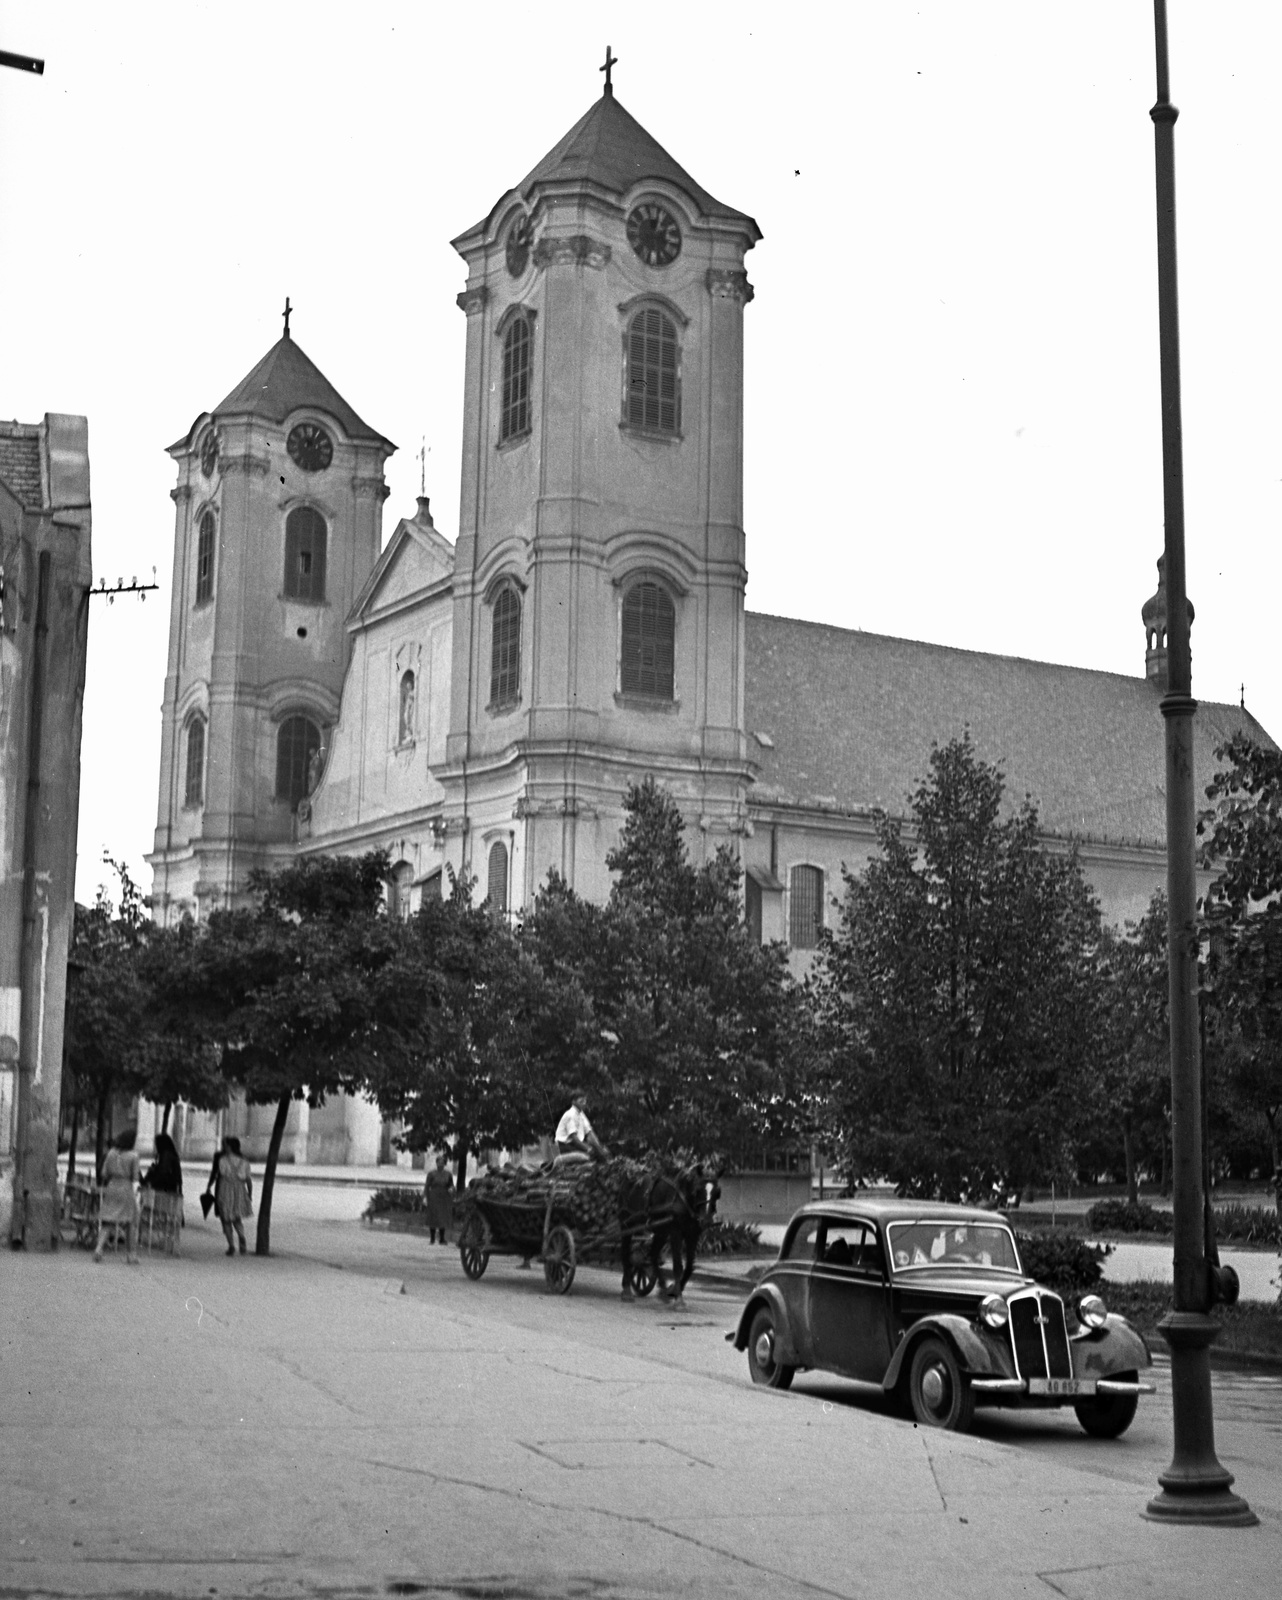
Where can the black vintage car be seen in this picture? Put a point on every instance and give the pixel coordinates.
(931, 1303)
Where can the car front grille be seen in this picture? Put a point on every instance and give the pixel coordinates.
(1040, 1335)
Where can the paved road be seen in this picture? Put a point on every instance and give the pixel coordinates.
(353, 1416)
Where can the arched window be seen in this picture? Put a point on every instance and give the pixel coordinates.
(505, 648)
(205, 558)
(517, 349)
(195, 790)
(496, 882)
(398, 890)
(305, 537)
(649, 631)
(653, 373)
(298, 743)
(805, 907)
(405, 722)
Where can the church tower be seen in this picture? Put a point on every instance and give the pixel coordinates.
(599, 576)
(279, 519)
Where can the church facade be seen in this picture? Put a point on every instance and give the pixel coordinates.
(478, 707)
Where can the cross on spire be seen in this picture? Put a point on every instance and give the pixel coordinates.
(285, 314)
(610, 61)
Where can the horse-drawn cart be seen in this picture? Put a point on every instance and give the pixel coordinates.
(552, 1228)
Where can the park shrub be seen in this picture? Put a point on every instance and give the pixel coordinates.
(722, 1238)
(1119, 1216)
(1248, 1224)
(1064, 1262)
(397, 1197)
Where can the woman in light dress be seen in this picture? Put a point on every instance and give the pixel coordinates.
(233, 1193)
(119, 1202)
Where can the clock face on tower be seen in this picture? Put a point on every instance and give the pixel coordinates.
(519, 236)
(209, 453)
(654, 234)
(309, 447)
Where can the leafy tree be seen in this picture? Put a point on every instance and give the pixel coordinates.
(1135, 1075)
(494, 1033)
(690, 1016)
(309, 993)
(957, 998)
(1242, 842)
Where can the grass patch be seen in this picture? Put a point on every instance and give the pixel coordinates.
(1250, 1328)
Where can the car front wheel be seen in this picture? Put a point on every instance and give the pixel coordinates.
(940, 1395)
(1108, 1416)
(762, 1360)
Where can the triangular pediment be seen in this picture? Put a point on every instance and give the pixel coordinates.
(417, 560)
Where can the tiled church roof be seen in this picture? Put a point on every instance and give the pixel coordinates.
(609, 147)
(20, 462)
(286, 379)
(851, 717)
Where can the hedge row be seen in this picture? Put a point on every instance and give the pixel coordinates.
(1245, 1224)
(1064, 1262)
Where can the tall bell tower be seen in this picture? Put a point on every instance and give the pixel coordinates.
(279, 520)
(599, 576)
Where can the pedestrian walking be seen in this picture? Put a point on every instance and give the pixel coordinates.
(119, 1199)
(233, 1193)
(163, 1206)
(438, 1192)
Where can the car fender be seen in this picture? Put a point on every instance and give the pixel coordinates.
(1116, 1347)
(975, 1353)
(785, 1346)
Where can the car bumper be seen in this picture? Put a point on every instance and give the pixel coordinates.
(1066, 1388)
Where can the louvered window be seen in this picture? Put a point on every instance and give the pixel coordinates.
(195, 789)
(517, 349)
(496, 885)
(653, 373)
(297, 752)
(205, 558)
(505, 649)
(305, 540)
(649, 632)
(398, 890)
(805, 907)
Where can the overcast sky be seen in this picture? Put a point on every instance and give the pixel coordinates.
(952, 374)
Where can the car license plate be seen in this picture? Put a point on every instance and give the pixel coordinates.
(1064, 1386)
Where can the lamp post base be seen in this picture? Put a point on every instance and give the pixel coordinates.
(1195, 1487)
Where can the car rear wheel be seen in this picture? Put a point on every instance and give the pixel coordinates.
(941, 1397)
(1108, 1416)
(762, 1362)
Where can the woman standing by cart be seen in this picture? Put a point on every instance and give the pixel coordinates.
(438, 1192)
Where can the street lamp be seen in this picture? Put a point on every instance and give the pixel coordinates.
(1195, 1487)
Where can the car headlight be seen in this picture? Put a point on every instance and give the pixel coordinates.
(993, 1311)
(1091, 1311)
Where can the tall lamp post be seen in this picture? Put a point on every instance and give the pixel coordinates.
(1195, 1487)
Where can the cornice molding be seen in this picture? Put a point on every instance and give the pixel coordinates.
(470, 301)
(370, 486)
(577, 249)
(729, 283)
(247, 463)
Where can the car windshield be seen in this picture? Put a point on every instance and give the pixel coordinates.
(927, 1243)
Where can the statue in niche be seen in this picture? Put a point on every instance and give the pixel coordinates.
(405, 726)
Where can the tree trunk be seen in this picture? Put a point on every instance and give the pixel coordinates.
(263, 1244)
(1128, 1145)
(1272, 1115)
(1164, 1185)
(460, 1181)
(100, 1138)
(71, 1143)
(164, 1121)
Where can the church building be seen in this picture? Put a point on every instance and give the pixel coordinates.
(478, 707)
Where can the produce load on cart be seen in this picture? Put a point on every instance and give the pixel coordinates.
(569, 1210)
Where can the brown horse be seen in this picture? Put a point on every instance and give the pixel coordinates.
(674, 1209)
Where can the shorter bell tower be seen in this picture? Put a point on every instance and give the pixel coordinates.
(279, 506)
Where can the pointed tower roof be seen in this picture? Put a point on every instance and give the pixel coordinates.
(285, 379)
(609, 148)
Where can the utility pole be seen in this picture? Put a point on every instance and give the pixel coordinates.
(1195, 1487)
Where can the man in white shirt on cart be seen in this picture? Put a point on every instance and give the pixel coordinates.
(574, 1135)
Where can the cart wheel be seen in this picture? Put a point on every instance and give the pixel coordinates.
(558, 1260)
(644, 1277)
(474, 1247)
